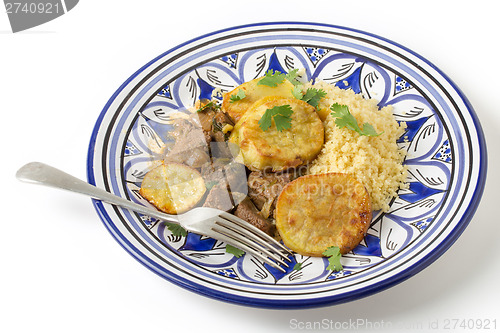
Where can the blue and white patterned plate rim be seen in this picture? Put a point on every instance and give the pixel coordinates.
(224, 292)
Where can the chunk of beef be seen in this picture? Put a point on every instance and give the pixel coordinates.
(224, 169)
(206, 121)
(190, 146)
(220, 120)
(212, 121)
(265, 187)
(219, 197)
(247, 211)
(236, 176)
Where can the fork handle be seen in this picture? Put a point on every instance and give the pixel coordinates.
(43, 174)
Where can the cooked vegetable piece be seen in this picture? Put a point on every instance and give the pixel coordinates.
(278, 150)
(315, 212)
(252, 92)
(173, 188)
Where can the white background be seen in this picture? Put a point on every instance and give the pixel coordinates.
(61, 271)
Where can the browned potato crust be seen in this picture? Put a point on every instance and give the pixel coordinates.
(173, 188)
(315, 212)
(272, 149)
(253, 92)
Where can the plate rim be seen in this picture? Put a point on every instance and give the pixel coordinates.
(325, 300)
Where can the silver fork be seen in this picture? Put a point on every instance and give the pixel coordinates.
(206, 221)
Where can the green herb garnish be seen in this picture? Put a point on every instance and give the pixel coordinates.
(217, 127)
(281, 115)
(176, 229)
(334, 255)
(346, 119)
(234, 251)
(272, 79)
(313, 96)
(209, 105)
(292, 77)
(237, 97)
(297, 92)
(297, 266)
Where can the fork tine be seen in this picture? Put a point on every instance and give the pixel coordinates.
(256, 231)
(229, 239)
(248, 238)
(249, 235)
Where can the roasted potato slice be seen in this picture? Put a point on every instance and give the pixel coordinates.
(173, 188)
(273, 149)
(315, 212)
(253, 92)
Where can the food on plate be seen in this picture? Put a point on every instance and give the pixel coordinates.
(375, 161)
(173, 187)
(306, 162)
(219, 197)
(315, 212)
(226, 183)
(214, 123)
(249, 93)
(248, 212)
(190, 147)
(278, 148)
(264, 188)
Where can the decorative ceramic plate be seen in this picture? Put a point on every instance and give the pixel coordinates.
(446, 160)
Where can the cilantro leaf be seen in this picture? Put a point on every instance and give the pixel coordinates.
(334, 255)
(283, 121)
(344, 118)
(281, 115)
(234, 251)
(334, 264)
(209, 105)
(176, 229)
(369, 130)
(331, 251)
(313, 96)
(272, 79)
(238, 96)
(292, 76)
(297, 92)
